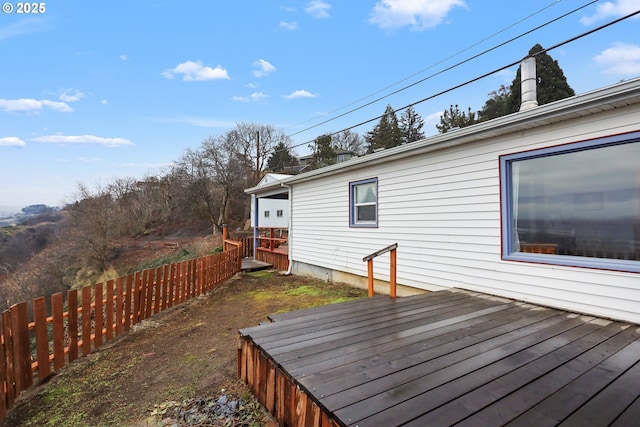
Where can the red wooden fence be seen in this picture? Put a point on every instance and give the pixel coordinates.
(95, 315)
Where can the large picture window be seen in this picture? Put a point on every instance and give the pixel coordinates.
(363, 201)
(576, 204)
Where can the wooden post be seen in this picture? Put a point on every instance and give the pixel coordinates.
(392, 272)
(42, 337)
(370, 276)
(21, 347)
(225, 235)
(57, 312)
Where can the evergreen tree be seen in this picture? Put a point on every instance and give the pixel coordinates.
(454, 118)
(281, 158)
(497, 105)
(386, 134)
(324, 153)
(411, 126)
(552, 84)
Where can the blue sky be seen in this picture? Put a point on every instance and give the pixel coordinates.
(95, 90)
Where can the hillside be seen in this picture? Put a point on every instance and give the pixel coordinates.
(188, 352)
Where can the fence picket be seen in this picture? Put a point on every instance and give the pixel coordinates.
(21, 350)
(58, 330)
(42, 337)
(109, 311)
(72, 320)
(98, 313)
(8, 375)
(136, 297)
(86, 320)
(120, 305)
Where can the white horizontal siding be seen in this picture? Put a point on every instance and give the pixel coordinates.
(443, 210)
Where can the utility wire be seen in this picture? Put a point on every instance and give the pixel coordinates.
(572, 39)
(555, 2)
(447, 69)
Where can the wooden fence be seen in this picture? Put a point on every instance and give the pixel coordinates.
(94, 315)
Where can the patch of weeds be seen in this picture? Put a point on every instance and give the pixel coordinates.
(178, 256)
(306, 291)
(261, 273)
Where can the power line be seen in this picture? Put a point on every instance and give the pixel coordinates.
(475, 79)
(555, 2)
(448, 68)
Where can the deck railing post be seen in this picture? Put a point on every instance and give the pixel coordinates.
(392, 272)
(370, 276)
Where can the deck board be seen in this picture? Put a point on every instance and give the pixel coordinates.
(446, 358)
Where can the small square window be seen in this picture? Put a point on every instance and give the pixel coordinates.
(363, 203)
(266, 214)
(279, 213)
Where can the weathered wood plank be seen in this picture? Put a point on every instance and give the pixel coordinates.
(42, 337)
(57, 314)
(72, 324)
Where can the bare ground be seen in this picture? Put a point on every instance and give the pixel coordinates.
(187, 352)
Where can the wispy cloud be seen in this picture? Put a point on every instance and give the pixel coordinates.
(30, 105)
(24, 26)
(293, 25)
(254, 97)
(610, 9)
(11, 141)
(264, 68)
(620, 59)
(124, 57)
(420, 15)
(70, 95)
(318, 9)
(83, 139)
(196, 71)
(299, 94)
(197, 121)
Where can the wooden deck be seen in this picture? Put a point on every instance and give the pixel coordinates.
(443, 358)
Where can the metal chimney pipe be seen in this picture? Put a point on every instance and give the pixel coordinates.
(528, 83)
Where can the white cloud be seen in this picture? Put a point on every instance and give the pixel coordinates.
(11, 141)
(83, 139)
(104, 102)
(620, 59)
(610, 9)
(299, 94)
(196, 71)
(433, 119)
(33, 105)
(71, 95)
(293, 25)
(318, 9)
(24, 26)
(255, 97)
(124, 57)
(418, 14)
(264, 68)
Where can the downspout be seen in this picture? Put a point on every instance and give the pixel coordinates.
(254, 208)
(290, 189)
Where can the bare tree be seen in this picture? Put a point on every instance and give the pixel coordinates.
(349, 141)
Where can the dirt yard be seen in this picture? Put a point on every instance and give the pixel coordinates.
(174, 361)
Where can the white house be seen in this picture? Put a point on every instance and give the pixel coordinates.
(270, 212)
(542, 205)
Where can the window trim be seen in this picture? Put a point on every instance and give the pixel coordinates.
(352, 206)
(506, 214)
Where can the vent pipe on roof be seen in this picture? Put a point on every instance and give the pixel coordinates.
(528, 83)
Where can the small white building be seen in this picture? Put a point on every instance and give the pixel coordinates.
(542, 205)
(270, 211)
